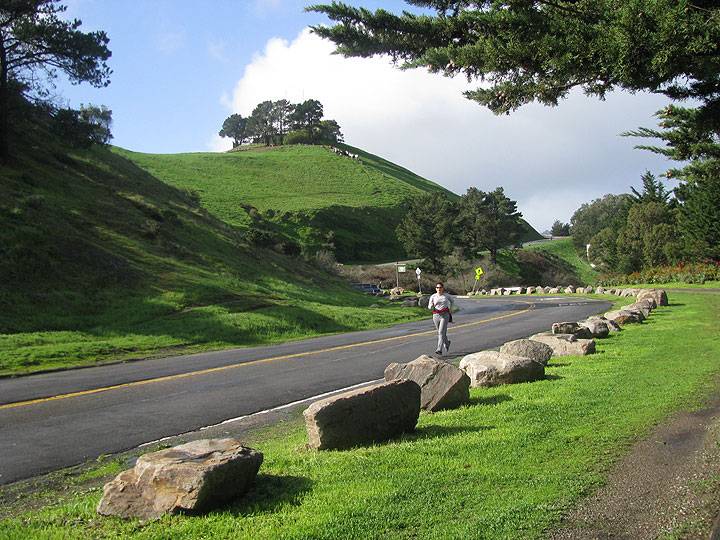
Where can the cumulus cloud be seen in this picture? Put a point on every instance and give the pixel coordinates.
(551, 160)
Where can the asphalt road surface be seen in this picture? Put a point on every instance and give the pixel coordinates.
(54, 420)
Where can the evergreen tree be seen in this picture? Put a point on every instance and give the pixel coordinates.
(488, 221)
(690, 136)
(427, 229)
(653, 190)
(607, 211)
(560, 229)
(34, 43)
(235, 127)
(261, 124)
(526, 50)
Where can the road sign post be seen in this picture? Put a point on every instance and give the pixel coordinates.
(478, 272)
(418, 272)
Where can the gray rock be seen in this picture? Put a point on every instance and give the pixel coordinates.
(193, 477)
(492, 368)
(588, 289)
(569, 290)
(574, 328)
(554, 290)
(442, 385)
(622, 317)
(423, 301)
(659, 295)
(639, 308)
(540, 352)
(410, 302)
(363, 416)
(596, 327)
(566, 344)
(600, 290)
(530, 290)
(547, 290)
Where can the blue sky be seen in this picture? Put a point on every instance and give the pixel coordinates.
(181, 67)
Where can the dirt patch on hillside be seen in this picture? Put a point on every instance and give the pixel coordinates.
(666, 487)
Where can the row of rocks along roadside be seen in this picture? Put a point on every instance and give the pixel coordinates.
(204, 474)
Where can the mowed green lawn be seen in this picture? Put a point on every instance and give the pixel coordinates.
(506, 466)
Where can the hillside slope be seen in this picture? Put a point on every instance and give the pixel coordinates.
(102, 261)
(307, 191)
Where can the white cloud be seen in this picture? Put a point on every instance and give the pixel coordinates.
(216, 143)
(551, 160)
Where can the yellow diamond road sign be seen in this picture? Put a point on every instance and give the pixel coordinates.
(478, 272)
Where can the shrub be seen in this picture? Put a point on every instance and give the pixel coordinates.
(681, 272)
(298, 137)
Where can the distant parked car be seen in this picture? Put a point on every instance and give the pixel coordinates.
(368, 288)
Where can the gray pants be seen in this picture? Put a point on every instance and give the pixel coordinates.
(440, 320)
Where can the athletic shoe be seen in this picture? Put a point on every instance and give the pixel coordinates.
(438, 351)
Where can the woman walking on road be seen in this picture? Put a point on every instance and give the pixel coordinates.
(440, 304)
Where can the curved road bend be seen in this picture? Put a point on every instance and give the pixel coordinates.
(55, 420)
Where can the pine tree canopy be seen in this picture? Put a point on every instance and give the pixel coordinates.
(538, 50)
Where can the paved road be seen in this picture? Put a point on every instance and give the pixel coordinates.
(55, 420)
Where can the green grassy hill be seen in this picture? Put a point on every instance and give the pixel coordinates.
(100, 260)
(305, 190)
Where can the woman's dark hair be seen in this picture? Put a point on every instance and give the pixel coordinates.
(441, 284)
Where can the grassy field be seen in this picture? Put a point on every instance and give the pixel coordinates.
(301, 187)
(101, 261)
(506, 466)
(564, 249)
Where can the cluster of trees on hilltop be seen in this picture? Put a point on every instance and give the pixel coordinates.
(282, 122)
(435, 226)
(35, 43)
(669, 48)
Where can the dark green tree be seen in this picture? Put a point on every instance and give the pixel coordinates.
(644, 239)
(235, 127)
(282, 117)
(560, 229)
(307, 116)
(329, 131)
(530, 50)
(36, 43)
(85, 127)
(261, 124)
(588, 220)
(427, 229)
(653, 190)
(487, 221)
(690, 136)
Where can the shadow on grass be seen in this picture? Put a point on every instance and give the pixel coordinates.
(553, 377)
(559, 364)
(434, 431)
(492, 400)
(269, 493)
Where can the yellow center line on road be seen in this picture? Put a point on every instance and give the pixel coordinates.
(242, 364)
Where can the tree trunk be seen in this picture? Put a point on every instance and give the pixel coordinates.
(4, 91)
(493, 255)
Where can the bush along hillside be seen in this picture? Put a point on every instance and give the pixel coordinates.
(100, 261)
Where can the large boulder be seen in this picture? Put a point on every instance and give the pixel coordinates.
(363, 416)
(410, 302)
(193, 477)
(659, 295)
(571, 328)
(600, 290)
(530, 290)
(442, 385)
(566, 344)
(611, 325)
(622, 317)
(492, 368)
(546, 289)
(540, 352)
(596, 327)
(554, 290)
(643, 309)
(569, 290)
